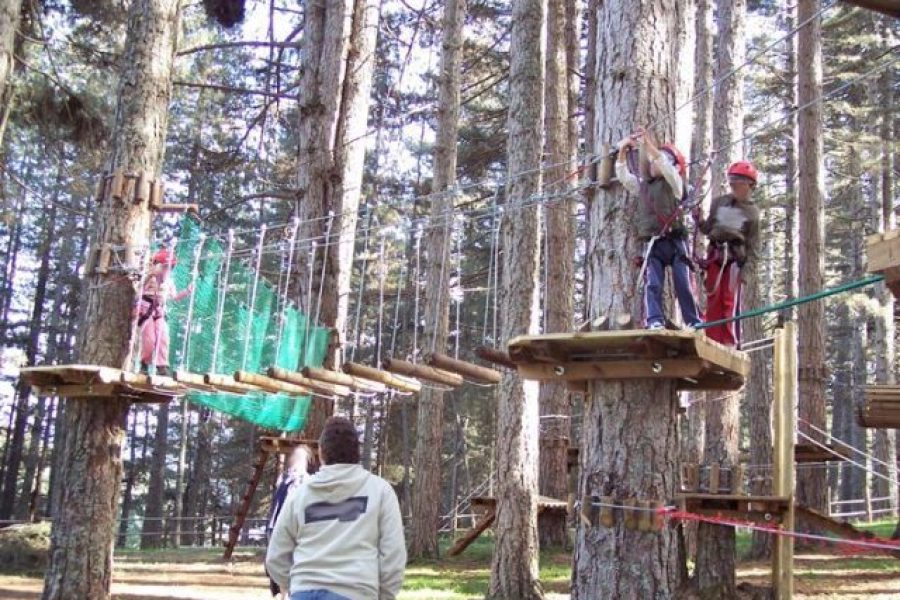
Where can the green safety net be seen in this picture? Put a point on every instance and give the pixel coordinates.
(246, 341)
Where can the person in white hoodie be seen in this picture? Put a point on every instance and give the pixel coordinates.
(340, 536)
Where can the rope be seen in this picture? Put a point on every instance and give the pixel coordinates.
(415, 344)
(309, 283)
(186, 343)
(845, 444)
(462, 292)
(324, 264)
(397, 304)
(145, 268)
(382, 275)
(846, 458)
(362, 284)
(248, 331)
(220, 309)
(846, 287)
(287, 287)
(487, 289)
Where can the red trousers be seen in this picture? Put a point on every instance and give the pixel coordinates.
(723, 301)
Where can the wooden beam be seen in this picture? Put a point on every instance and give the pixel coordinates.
(480, 527)
(271, 384)
(495, 356)
(356, 384)
(228, 384)
(785, 380)
(389, 379)
(408, 369)
(470, 371)
(193, 380)
(673, 368)
(320, 387)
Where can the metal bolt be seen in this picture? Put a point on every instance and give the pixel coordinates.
(559, 370)
(656, 368)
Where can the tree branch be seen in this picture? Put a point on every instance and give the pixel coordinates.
(251, 44)
(235, 90)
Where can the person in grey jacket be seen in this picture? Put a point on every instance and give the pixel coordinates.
(340, 536)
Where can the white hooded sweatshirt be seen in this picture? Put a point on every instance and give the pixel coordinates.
(340, 531)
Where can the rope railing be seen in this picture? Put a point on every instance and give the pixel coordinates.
(756, 312)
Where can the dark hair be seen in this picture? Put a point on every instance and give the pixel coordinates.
(339, 442)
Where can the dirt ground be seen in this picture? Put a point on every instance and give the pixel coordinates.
(202, 575)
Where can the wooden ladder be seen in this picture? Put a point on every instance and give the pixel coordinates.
(234, 532)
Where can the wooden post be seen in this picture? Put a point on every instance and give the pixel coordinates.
(470, 371)
(785, 376)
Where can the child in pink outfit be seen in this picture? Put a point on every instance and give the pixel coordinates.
(158, 290)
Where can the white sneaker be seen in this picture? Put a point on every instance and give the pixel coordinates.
(655, 326)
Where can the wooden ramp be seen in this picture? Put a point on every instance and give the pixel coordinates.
(884, 258)
(489, 507)
(881, 407)
(820, 522)
(695, 361)
(94, 381)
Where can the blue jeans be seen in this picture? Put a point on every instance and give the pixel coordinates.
(669, 251)
(317, 595)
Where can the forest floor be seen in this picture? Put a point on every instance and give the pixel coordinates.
(200, 574)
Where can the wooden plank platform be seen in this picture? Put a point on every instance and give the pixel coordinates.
(697, 362)
(544, 503)
(95, 381)
(884, 258)
(762, 509)
(881, 407)
(489, 507)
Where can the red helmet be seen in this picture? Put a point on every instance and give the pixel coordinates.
(743, 168)
(678, 156)
(162, 257)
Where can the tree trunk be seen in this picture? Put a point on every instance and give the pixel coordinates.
(701, 146)
(199, 479)
(811, 483)
(514, 567)
(32, 457)
(10, 261)
(151, 534)
(559, 255)
(885, 330)
(338, 58)
(130, 476)
(629, 439)
(425, 515)
(791, 224)
(83, 531)
(10, 11)
(715, 543)
(23, 391)
(42, 460)
(851, 342)
(759, 388)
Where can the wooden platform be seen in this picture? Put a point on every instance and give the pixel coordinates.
(881, 407)
(697, 362)
(93, 381)
(279, 445)
(884, 258)
(488, 507)
(762, 509)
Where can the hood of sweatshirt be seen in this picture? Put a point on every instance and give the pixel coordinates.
(335, 483)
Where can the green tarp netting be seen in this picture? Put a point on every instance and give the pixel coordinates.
(250, 342)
